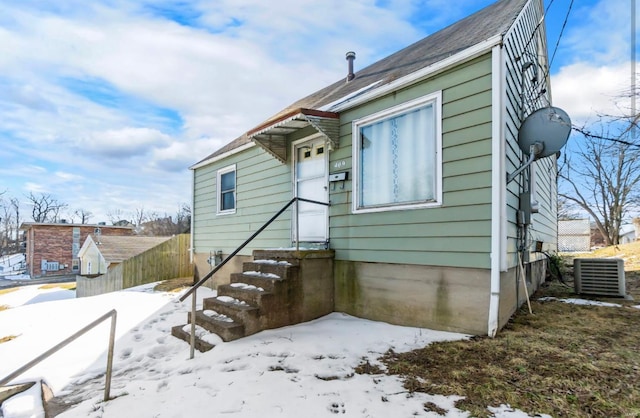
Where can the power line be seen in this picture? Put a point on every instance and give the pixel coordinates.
(533, 33)
(564, 25)
(605, 138)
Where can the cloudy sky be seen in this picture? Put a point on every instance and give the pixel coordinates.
(104, 104)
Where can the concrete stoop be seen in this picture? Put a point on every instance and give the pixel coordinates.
(269, 293)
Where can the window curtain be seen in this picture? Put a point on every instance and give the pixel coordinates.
(397, 158)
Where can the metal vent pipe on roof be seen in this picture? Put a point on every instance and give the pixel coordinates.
(350, 57)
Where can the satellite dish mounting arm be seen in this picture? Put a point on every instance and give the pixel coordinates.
(534, 150)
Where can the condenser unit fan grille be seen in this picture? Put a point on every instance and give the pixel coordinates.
(599, 276)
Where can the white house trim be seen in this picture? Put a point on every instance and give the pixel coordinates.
(223, 156)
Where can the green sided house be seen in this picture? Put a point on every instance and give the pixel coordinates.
(413, 154)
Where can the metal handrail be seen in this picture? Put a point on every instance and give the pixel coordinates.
(233, 254)
(107, 387)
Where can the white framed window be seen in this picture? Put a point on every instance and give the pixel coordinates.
(398, 157)
(226, 186)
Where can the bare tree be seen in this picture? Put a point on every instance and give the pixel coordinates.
(45, 207)
(84, 215)
(567, 210)
(6, 222)
(166, 225)
(15, 205)
(183, 219)
(115, 216)
(601, 177)
(139, 216)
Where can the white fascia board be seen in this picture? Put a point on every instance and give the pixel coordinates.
(463, 56)
(223, 156)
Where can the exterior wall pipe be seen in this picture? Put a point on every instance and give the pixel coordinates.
(498, 184)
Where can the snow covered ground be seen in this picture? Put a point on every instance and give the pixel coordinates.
(302, 370)
(12, 267)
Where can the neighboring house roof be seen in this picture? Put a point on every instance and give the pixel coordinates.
(627, 229)
(116, 249)
(494, 20)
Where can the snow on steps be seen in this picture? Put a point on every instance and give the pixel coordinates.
(242, 305)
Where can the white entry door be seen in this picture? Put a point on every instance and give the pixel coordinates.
(311, 165)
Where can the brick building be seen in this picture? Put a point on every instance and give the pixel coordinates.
(52, 248)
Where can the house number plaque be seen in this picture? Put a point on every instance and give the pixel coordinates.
(337, 165)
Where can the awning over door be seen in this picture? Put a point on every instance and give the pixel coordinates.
(272, 136)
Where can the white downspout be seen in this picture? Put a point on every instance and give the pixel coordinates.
(498, 187)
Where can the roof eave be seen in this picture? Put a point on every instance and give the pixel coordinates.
(229, 153)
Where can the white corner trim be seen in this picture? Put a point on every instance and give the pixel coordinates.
(193, 216)
(462, 56)
(223, 156)
(498, 176)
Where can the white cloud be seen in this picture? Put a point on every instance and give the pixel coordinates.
(35, 187)
(179, 155)
(601, 32)
(123, 143)
(585, 90)
(67, 177)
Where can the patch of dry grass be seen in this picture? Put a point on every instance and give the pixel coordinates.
(174, 285)
(5, 291)
(565, 360)
(66, 286)
(629, 252)
(7, 338)
(4, 307)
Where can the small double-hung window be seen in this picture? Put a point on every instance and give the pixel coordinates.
(397, 157)
(226, 181)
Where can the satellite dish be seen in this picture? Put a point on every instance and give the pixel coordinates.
(542, 134)
(546, 129)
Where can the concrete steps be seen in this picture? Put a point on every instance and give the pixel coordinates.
(267, 294)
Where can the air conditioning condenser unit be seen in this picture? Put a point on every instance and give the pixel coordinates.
(599, 276)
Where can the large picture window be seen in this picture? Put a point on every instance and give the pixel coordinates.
(227, 190)
(397, 156)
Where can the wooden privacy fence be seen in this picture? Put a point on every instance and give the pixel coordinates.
(165, 261)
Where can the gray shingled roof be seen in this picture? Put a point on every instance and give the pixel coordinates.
(491, 21)
(116, 249)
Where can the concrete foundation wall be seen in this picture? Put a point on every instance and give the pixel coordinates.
(512, 291)
(443, 298)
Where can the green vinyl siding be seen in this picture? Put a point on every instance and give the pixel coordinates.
(544, 224)
(263, 187)
(458, 233)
